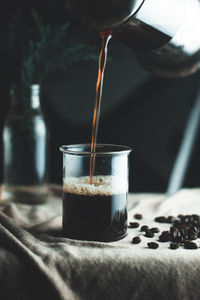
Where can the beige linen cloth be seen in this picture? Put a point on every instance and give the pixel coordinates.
(36, 262)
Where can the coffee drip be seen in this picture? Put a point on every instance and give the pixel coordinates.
(164, 35)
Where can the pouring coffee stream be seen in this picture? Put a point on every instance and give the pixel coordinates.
(106, 36)
(164, 35)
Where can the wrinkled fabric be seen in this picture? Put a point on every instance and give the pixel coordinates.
(37, 262)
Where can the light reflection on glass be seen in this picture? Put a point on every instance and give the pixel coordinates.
(188, 35)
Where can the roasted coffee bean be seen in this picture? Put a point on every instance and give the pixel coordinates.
(149, 233)
(185, 241)
(155, 230)
(192, 237)
(136, 240)
(186, 220)
(194, 223)
(185, 227)
(163, 239)
(133, 225)
(196, 218)
(190, 245)
(174, 246)
(182, 231)
(191, 231)
(174, 231)
(153, 245)
(160, 219)
(144, 228)
(166, 233)
(170, 219)
(177, 239)
(165, 236)
(138, 216)
(177, 223)
(180, 216)
(195, 229)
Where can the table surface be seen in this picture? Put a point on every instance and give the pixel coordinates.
(37, 261)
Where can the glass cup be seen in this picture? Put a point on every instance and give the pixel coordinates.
(95, 207)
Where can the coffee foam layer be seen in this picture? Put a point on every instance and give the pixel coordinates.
(102, 185)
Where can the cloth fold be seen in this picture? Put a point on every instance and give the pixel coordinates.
(37, 262)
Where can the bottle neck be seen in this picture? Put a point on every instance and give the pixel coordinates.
(25, 99)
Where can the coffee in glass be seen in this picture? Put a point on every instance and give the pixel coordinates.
(95, 211)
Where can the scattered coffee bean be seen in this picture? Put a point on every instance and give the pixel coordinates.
(191, 231)
(190, 245)
(160, 219)
(195, 229)
(136, 240)
(194, 222)
(163, 239)
(177, 223)
(170, 219)
(177, 239)
(192, 237)
(144, 228)
(196, 218)
(165, 236)
(174, 232)
(186, 241)
(174, 246)
(153, 245)
(133, 225)
(155, 230)
(149, 233)
(185, 219)
(138, 216)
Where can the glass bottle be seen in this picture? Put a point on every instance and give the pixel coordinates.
(25, 148)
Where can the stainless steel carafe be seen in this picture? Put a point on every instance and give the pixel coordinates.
(164, 34)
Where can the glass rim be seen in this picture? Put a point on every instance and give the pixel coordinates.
(114, 149)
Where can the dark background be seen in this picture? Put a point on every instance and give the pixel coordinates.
(140, 110)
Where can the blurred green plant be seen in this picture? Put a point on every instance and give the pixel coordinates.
(29, 53)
